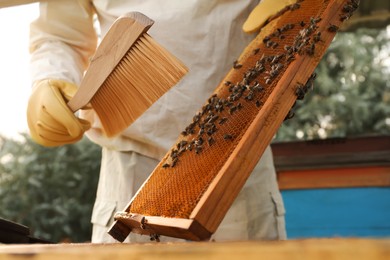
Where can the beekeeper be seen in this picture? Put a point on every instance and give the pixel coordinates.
(207, 36)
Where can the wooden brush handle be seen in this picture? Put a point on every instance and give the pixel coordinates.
(114, 46)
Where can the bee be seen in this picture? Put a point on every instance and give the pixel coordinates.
(181, 144)
(209, 125)
(259, 63)
(294, 48)
(142, 223)
(222, 120)
(302, 23)
(198, 149)
(317, 37)
(227, 136)
(257, 87)
(189, 147)
(213, 119)
(310, 29)
(354, 4)
(219, 107)
(232, 110)
(268, 58)
(239, 106)
(166, 165)
(191, 130)
(273, 73)
(228, 103)
(289, 115)
(211, 130)
(173, 153)
(313, 76)
(250, 75)
(199, 141)
(255, 51)
(212, 99)
(210, 141)
(268, 81)
(174, 162)
(278, 66)
(258, 103)
(276, 58)
(263, 59)
(289, 26)
(182, 150)
(290, 57)
(310, 50)
(206, 108)
(228, 83)
(196, 118)
(155, 237)
(344, 17)
(276, 33)
(315, 20)
(266, 39)
(333, 28)
(269, 44)
(300, 91)
(249, 97)
(348, 8)
(303, 33)
(310, 82)
(260, 68)
(236, 65)
(233, 97)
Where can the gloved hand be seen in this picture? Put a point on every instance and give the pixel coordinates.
(264, 10)
(50, 121)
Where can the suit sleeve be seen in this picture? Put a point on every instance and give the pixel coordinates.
(62, 40)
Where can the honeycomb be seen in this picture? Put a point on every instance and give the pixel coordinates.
(176, 185)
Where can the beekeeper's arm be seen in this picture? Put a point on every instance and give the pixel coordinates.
(61, 41)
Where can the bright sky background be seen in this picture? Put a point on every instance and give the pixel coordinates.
(14, 66)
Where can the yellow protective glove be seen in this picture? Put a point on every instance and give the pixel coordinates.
(264, 10)
(50, 120)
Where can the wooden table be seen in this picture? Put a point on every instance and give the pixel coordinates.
(327, 249)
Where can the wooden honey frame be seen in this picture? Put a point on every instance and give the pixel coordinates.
(215, 202)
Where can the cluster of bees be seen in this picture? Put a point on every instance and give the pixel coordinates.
(206, 122)
(348, 9)
(302, 89)
(300, 92)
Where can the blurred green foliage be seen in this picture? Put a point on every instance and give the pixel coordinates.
(50, 190)
(351, 94)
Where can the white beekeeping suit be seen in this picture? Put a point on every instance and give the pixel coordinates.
(207, 36)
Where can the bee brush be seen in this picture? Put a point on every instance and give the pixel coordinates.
(127, 74)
